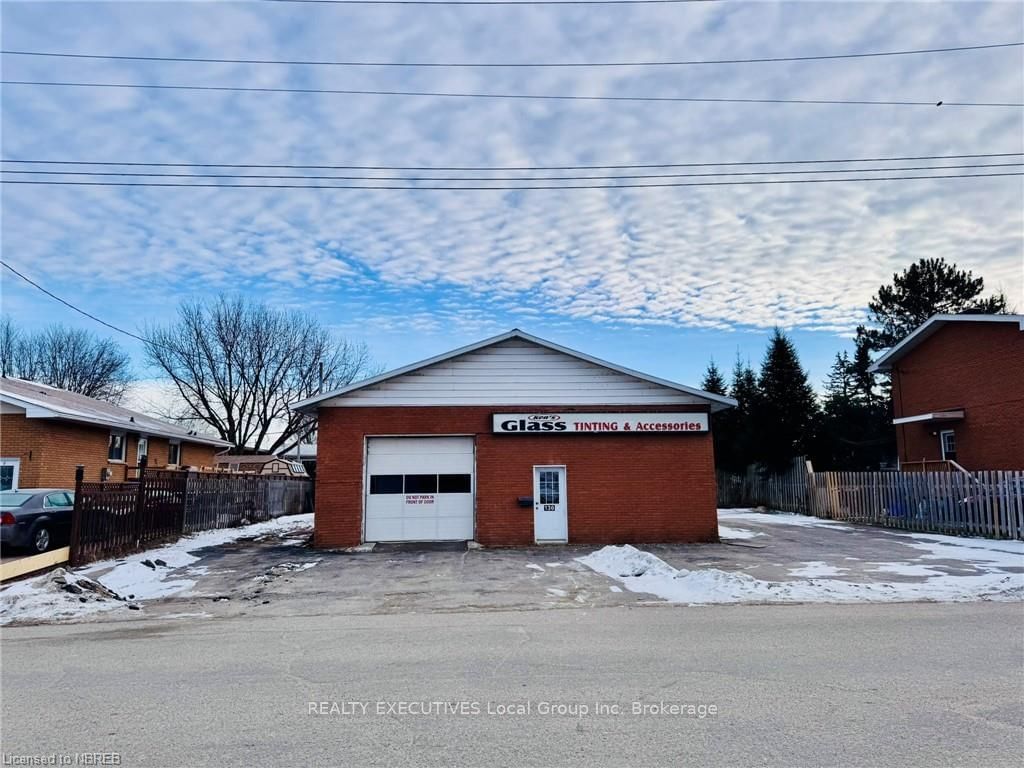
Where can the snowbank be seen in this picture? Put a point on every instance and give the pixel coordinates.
(143, 576)
(640, 571)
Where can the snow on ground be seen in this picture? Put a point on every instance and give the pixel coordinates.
(142, 576)
(816, 568)
(779, 518)
(726, 532)
(640, 571)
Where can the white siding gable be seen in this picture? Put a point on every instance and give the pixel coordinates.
(514, 372)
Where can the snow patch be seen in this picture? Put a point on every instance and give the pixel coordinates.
(725, 532)
(557, 592)
(640, 571)
(817, 568)
(906, 569)
(535, 567)
(780, 518)
(132, 578)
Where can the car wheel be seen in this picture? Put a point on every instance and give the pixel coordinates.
(41, 539)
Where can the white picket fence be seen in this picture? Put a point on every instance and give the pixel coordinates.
(989, 503)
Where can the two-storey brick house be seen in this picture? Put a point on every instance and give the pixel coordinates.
(958, 392)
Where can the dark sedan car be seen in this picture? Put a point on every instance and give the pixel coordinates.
(36, 519)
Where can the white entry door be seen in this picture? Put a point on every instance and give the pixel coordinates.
(550, 519)
(9, 474)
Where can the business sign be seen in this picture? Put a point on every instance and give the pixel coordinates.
(563, 423)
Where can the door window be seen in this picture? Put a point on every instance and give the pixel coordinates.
(454, 484)
(174, 453)
(548, 485)
(380, 484)
(143, 449)
(948, 438)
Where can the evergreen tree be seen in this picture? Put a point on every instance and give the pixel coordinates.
(863, 378)
(723, 423)
(856, 429)
(713, 381)
(785, 413)
(931, 286)
(842, 401)
(739, 453)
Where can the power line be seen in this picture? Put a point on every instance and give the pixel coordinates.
(236, 176)
(548, 97)
(492, 2)
(68, 304)
(497, 168)
(499, 189)
(507, 64)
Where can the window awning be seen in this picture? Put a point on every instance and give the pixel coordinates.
(934, 416)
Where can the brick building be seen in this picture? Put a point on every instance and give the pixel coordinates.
(45, 432)
(511, 441)
(958, 392)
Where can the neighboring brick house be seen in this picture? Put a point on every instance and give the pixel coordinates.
(512, 441)
(958, 392)
(45, 432)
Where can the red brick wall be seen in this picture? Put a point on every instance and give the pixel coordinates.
(620, 488)
(49, 450)
(974, 366)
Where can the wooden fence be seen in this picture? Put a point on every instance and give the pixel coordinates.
(112, 519)
(987, 503)
(219, 500)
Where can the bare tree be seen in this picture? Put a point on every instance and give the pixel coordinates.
(237, 364)
(67, 358)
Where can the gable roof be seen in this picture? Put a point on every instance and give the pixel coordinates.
(40, 401)
(931, 326)
(717, 402)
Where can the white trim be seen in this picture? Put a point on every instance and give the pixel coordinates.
(12, 461)
(124, 446)
(935, 416)
(564, 490)
(930, 326)
(718, 402)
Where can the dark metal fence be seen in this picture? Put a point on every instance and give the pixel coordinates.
(112, 519)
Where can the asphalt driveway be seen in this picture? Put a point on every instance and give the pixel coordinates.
(274, 576)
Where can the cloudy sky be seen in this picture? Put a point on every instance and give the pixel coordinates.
(658, 279)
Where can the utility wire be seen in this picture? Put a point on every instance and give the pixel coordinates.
(494, 2)
(497, 168)
(549, 97)
(237, 176)
(498, 189)
(68, 304)
(507, 64)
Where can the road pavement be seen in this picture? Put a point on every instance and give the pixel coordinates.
(884, 685)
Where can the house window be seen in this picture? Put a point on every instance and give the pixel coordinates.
(947, 438)
(115, 449)
(142, 450)
(174, 453)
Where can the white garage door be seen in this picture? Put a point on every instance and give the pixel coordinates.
(419, 489)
